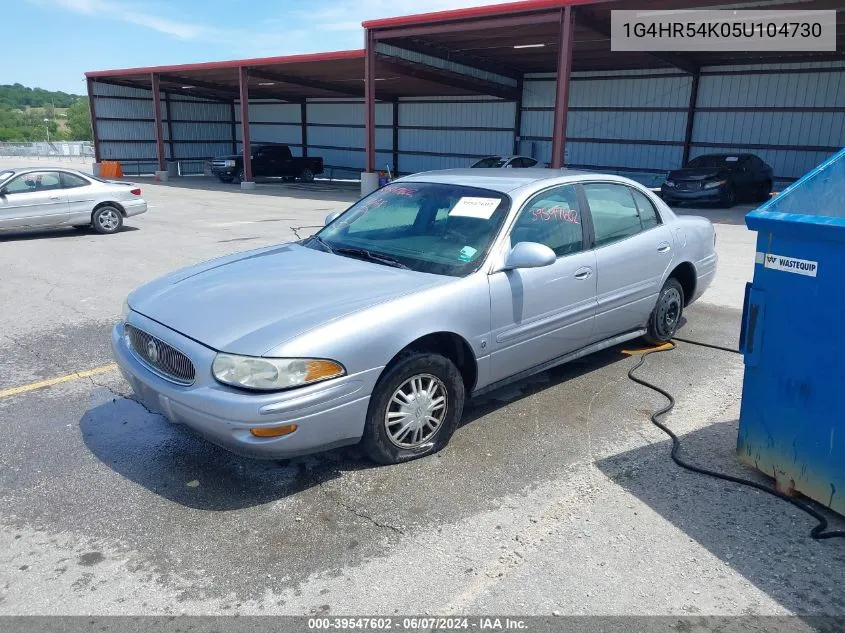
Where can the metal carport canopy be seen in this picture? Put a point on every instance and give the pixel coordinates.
(542, 36)
(291, 79)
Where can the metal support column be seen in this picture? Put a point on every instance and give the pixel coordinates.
(234, 118)
(92, 107)
(693, 103)
(243, 80)
(564, 69)
(168, 106)
(370, 104)
(303, 121)
(160, 156)
(517, 117)
(396, 137)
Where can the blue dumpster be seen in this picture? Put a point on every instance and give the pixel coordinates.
(793, 338)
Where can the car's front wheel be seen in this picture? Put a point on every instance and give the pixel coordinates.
(666, 316)
(107, 219)
(414, 409)
(728, 197)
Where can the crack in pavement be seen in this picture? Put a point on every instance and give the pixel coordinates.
(123, 396)
(358, 513)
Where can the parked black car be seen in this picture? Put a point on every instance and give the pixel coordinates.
(268, 161)
(721, 178)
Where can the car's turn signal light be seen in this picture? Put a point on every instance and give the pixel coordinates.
(275, 431)
(321, 370)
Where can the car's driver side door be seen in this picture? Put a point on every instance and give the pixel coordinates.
(539, 314)
(33, 199)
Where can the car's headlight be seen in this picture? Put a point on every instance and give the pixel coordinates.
(714, 184)
(669, 183)
(272, 374)
(230, 163)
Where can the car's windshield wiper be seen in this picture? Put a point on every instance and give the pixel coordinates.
(322, 243)
(376, 257)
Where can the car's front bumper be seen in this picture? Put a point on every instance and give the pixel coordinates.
(703, 195)
(135, 207)
(327, 414)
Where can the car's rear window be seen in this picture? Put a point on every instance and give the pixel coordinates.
(492, 161)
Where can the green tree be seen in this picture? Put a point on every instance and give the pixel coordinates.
(79, 121)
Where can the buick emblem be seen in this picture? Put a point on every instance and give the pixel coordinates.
(152, 351)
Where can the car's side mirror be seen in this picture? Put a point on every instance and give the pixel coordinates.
(331, 217)
(529, 255)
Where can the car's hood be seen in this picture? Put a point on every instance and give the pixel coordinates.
(698, 173)
(251, 302)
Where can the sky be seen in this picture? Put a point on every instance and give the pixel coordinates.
(51, 43)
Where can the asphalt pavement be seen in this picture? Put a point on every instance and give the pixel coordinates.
(556, 495)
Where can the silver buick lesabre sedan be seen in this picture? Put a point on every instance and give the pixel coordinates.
(433, 289)
(54, 197)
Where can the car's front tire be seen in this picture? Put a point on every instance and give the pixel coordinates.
(414, 409)
(666, 316)
(107, 219)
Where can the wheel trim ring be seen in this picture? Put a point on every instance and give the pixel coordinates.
(412, 419)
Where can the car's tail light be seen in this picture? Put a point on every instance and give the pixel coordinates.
(135, 192)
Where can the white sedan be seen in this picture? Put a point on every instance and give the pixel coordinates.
(52, 197)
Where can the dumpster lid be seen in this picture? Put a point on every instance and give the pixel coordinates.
(820, 193)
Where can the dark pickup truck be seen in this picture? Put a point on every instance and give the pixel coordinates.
(268, 161)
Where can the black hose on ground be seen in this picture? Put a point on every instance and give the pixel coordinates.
(819, 532)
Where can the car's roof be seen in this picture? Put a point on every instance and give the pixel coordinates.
(502, 180)
(24, 170)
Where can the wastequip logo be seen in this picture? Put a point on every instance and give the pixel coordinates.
(791, 265)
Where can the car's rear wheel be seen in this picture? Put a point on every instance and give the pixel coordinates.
(107, 219)
(307, 175)
(764, 191)
(414, 409)
(666, 315)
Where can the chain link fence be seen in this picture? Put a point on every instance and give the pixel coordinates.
(83, 151)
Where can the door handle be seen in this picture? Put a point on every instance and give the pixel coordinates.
(55, 197)
(664, 248)
(583, 273)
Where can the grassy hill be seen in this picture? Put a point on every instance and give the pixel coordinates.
(23, 110)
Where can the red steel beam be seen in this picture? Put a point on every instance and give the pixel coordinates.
(243, 78)
(370, 103)
(156, 89)
(482, 24)
(564, 69)
(93, 110)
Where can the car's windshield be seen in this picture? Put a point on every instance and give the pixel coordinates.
(428, 227)
(491, 161)
(713, 160)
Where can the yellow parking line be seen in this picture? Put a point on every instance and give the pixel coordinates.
(55, 381)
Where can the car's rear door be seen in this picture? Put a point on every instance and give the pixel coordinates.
(633, 251)
(539, 314)
(33, 199)
(80, 197)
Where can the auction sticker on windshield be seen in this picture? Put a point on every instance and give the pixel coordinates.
(481, 208)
